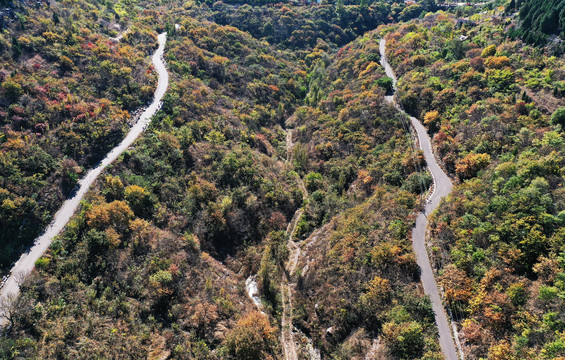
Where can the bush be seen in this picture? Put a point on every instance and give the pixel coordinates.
(252, 338)
(471, 164)
(386, 83)
(12, 89)
(42, 263)
(558, 117)
(404, 340)
(313, 181)
(417, 183)
(489, 51)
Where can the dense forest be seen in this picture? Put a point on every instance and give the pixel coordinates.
(495, 109)
(275, 157)
(301, 28)
(203, 197)
(538, 19)
(69, 89)
(67, 94)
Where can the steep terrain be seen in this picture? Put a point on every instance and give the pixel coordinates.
(277, 157)
(538, 19)
(209, 178)
(441, 188)
(493, 107)
(355, 274)
(26, 262)
(67, 96)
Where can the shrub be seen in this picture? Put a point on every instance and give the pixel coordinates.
(313, 181)
(471, 164)
(489, 51)
(558, 117)
(386, 83)
(252, 338)
(405, 340)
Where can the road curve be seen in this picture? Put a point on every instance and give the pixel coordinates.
(442, 187)
(27, 261)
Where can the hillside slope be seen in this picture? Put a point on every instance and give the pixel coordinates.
(67, 94)
(539, 19)
(498, 239)
(154, 263)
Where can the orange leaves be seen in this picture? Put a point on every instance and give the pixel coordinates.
(14, 144)
(386, 253)
(496, 306)
(378, 290)
(345, 249)
(203, 314)
(219, 60)
(252, 338)
(369, 69)
(431, 117)
(471, 164)
(113, 237)
(474, 333)
(457, 285)
(477, 63)
(364, 177)
(498, 62)
(117, 214)
(274, 88)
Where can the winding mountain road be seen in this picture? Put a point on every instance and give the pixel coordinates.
(27, 261)
(442, 187)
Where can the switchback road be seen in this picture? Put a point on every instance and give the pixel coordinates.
(442, 187)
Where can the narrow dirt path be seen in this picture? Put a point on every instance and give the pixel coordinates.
(290, 334)
(289, 145)
(26, 263)
(287, 329)
(287, 333)
(442, 187)
(120, 35)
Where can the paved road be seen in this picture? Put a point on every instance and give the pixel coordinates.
(27, 261)
(453, 4)
(442, 187)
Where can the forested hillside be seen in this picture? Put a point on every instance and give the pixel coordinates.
(275, 158)
(495, 109)
(154, 261)
(70, 89)
(539, 19)
(67, 94)
(302, 27)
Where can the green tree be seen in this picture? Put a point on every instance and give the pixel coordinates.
(313, 181)
(340, 8)
(405, 340)
(558, 117)
(139, 200)
(386, 83)
(12, 89)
